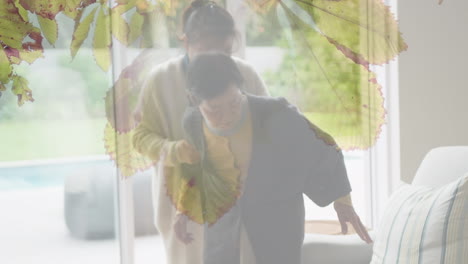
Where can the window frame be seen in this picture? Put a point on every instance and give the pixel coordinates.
(382, 160)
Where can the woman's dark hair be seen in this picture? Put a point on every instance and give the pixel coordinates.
(204, 19)
(210, 75)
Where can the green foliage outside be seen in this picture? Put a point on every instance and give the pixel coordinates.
(48, 139)
(325, 83)
(311, 69)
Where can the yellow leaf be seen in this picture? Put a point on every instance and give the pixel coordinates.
(136, 27)
(366, 27)
(20, 88)
(186, 197)
(119, 147)
(102, 40)
(347, 102)
(119, 28)
(49, 28)
(30, 56)
(121, 104)
(81, 32)
(15, 60)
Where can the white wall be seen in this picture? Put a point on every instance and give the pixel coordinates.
(433, 78)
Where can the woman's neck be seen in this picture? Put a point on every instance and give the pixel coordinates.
(236, 127)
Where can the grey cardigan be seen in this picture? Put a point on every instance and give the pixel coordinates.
(289, 157)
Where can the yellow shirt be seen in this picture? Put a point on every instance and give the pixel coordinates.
(230, 157)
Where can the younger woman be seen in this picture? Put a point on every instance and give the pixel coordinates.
(206, 27)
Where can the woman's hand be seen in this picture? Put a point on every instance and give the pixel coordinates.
(180, 229)
(346, 214)
(186, 153)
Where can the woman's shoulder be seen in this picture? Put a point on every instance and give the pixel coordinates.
(283, 117)
(241, 63)
(155, 82)
(269, 104)
(246, 69)
(253, 82)
(168, 67)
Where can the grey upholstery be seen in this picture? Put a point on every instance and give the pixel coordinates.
(328, 249)
(89, 202)
(440, 166)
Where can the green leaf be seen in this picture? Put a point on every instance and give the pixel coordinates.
(23, 12)
(119, 27)
(20, 38)
(49, 29)
(364, 27)
(102, 40)
(81, 32)
(14, 29)
(2, 88)
(5, 67)
(136, 27)
(21, 90)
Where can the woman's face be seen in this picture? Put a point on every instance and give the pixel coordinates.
(224, 111)
(211, 44)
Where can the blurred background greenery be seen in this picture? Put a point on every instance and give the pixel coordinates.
(68, 116)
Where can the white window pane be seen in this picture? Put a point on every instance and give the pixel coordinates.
(57, 189)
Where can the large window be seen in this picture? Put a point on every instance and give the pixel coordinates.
(63, 199)
(57, 189)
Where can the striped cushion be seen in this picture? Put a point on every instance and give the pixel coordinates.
(425, 225)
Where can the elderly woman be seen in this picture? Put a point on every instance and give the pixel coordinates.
(263, 155)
